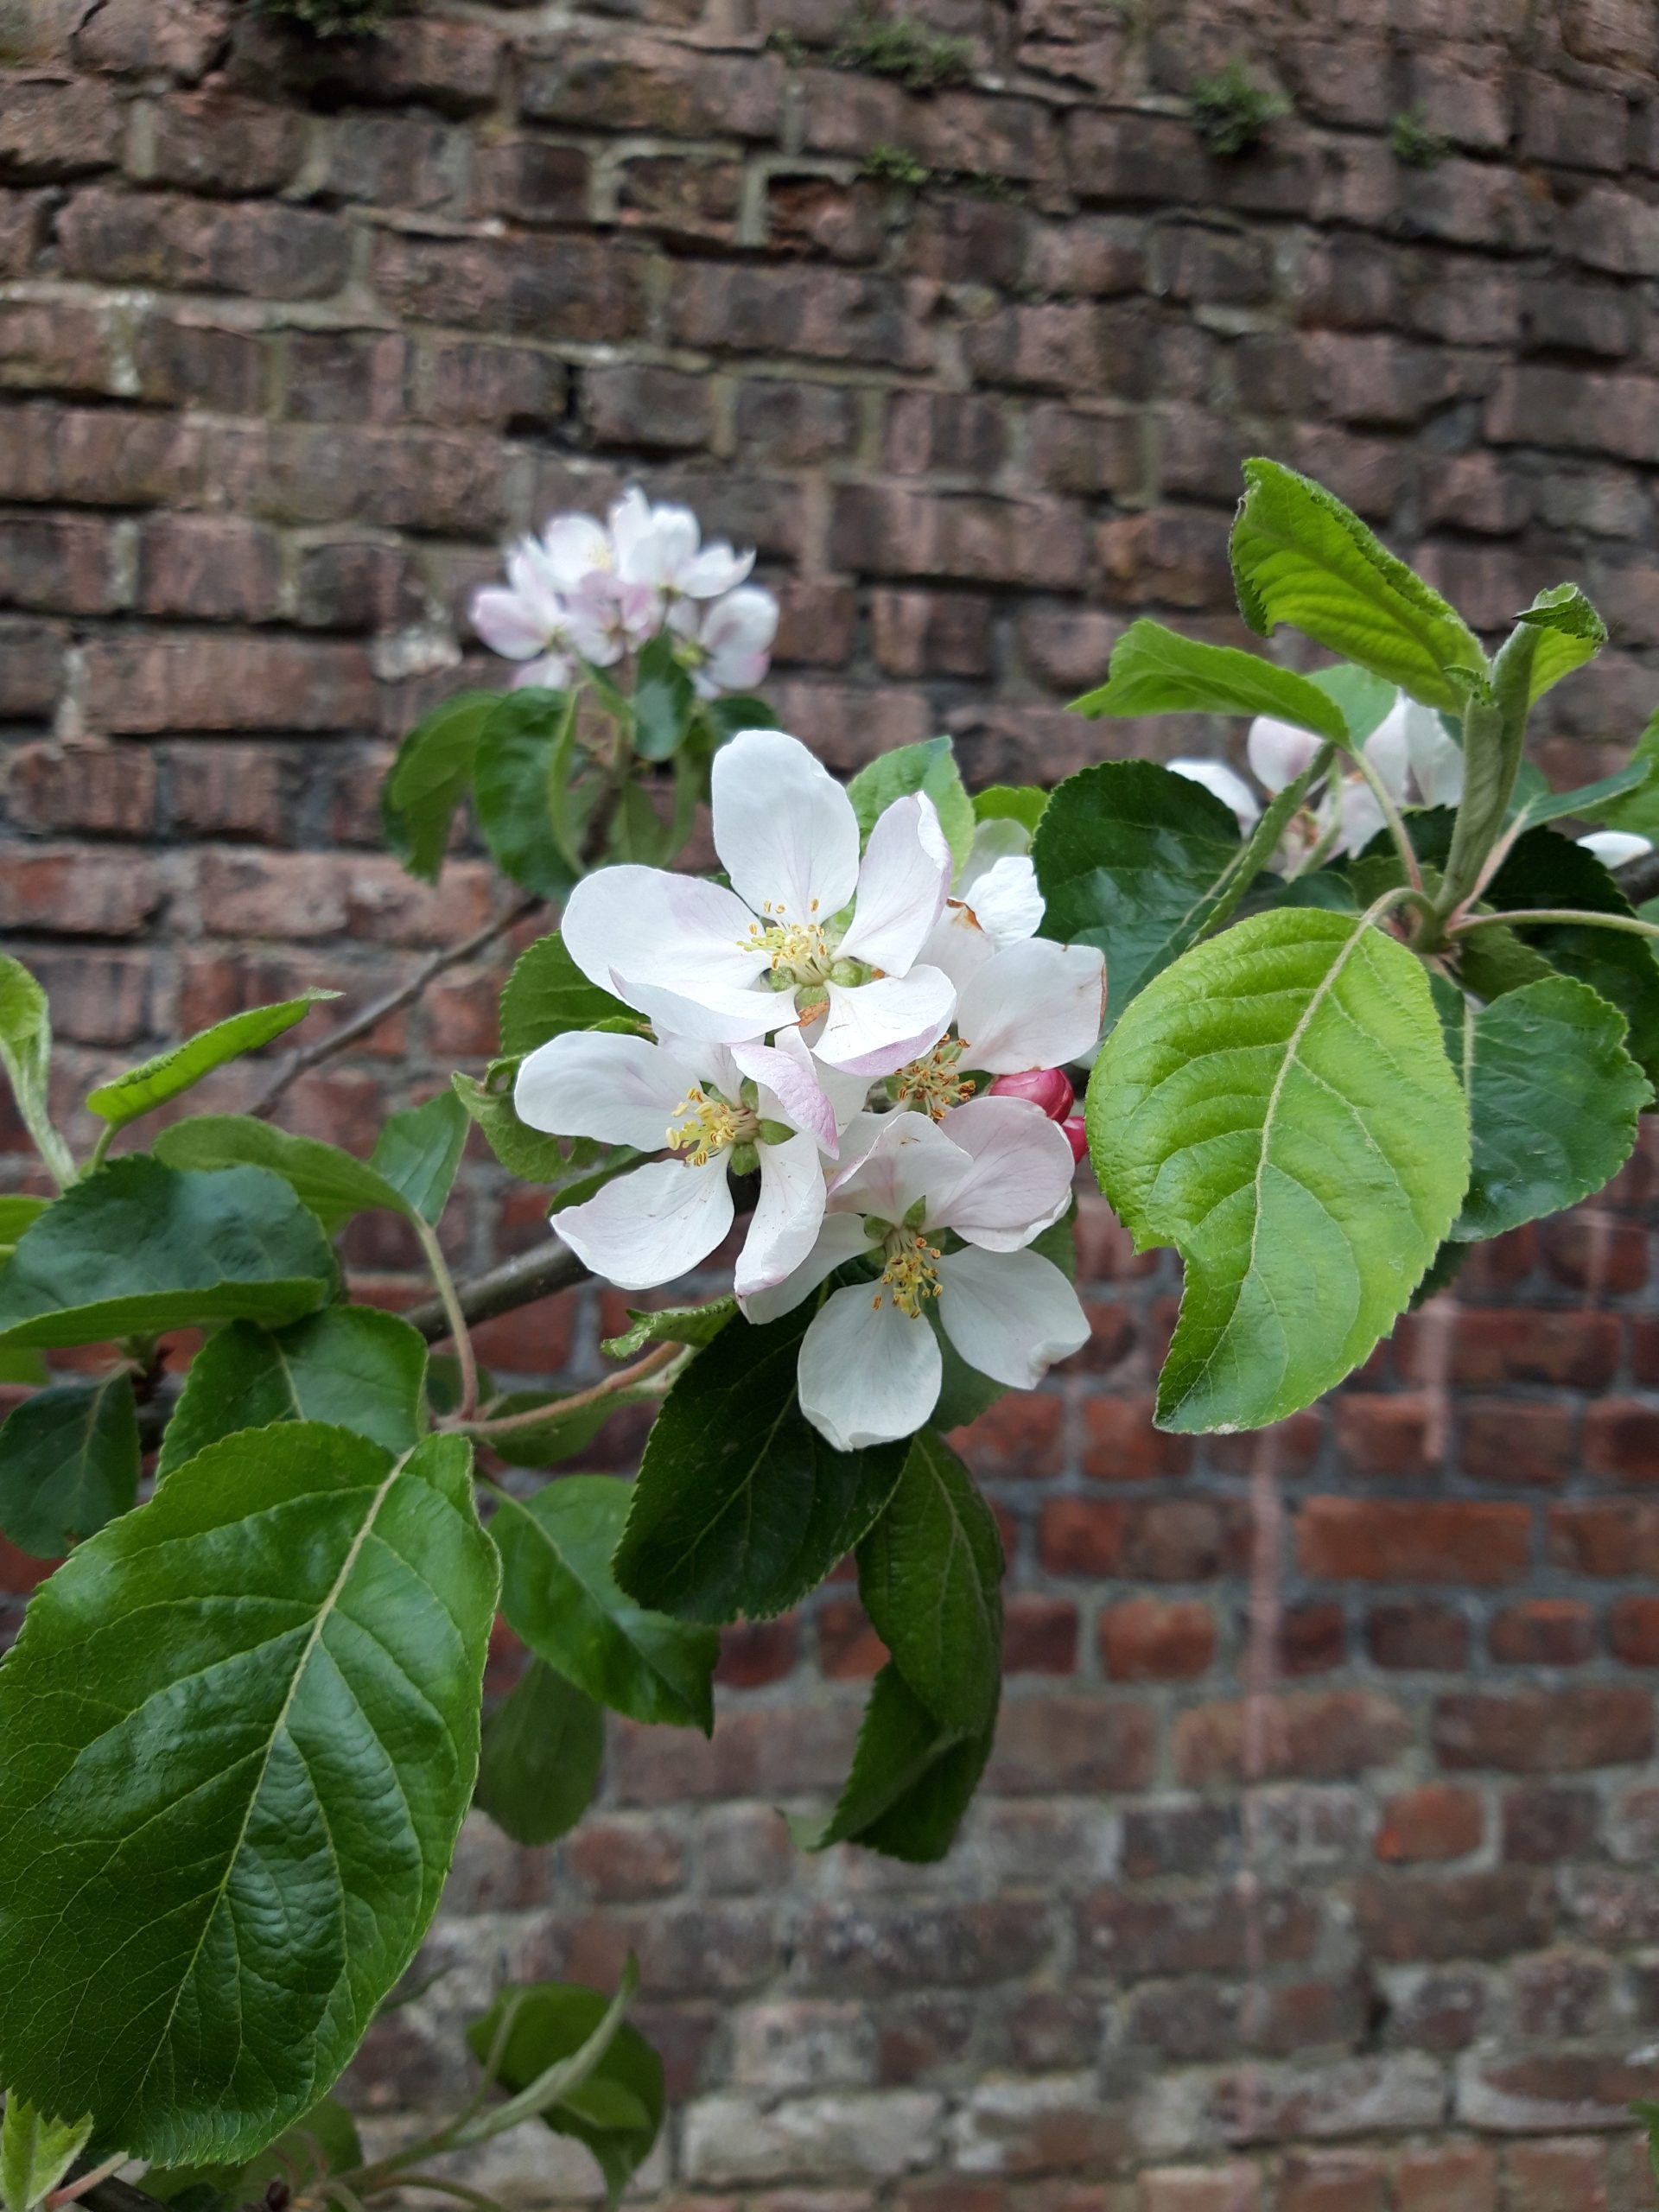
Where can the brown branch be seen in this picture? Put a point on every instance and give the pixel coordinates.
(625, 1378)
(337, 1040)
(1639, 879)
(551, 1267)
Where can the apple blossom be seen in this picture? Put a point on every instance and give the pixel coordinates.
(1613, 848)
(726, 645)
(1227, 784)
(661, 548)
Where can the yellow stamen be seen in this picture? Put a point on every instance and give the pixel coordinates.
(710, 1126)
(798, 951)
(910, 1276)
(934, 1083)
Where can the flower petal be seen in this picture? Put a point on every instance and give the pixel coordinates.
(573, 545)
(589, 1083)
(1230, 789)
(1001, 838)
(787, 1217)
(957, 944)
(1278, 752)
(847, 1094)
(867, 1371)
(509, 623)
(1010, 1314)
(1388, 749)
(875, 1028)
(794, 1086)
(1021, 1178)
(911, 1158)
(784, 827)
(653, 1226)
(1436, 757)
(718, 569)
(841, 1238)
(1612, 847)
(1006, 901)
(1034, 1004)
(902, 881)
(675, 947)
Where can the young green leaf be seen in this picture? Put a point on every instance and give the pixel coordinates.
(139, 1248)
(1022, 803)
(560, 1596)
(913, 1779)
(1362, 699)
(1587, 802)
(524, 1152)
(1571, 633)
(348, 1365)
(520, 781)
(929, 766)
(543, 1746)
(25, 1056)
(1553, 1098)
(1638, 811)
(430, 779)
(1134, 859)
(153, 1083)
(16, 1215)
(330, 1183)
(671, 1325)
(930, 1574)
(238, 1731)
(1301, 557)
(664, 701)
(1280, 1107)
(741, 1507)
(616, 2109)
(548, 993)
(1157, 672)
(419, 1150)
(69, 1461)
(35, 2152)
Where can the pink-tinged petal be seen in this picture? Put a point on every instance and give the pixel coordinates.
(1388, 749)
(650, 1227)
(911, 1159)
(794, 1087)
(1036, 1005)
(552, 673)
(1278, 752)
(1358, 811)
(718, 569)
(787, 1216)
(875, 1029)
(1049, 1090)
(675, 947)
(1613, 848)
(784, 830)
(902, 881)
(589, 1083)
(1020, 1179)
(743, 620)
(1221, 782)
(630, 531)
(868, 1372)
(571, 546)
(1006, 902)
(839, 1238)
(847, 1094)
(508, 623)
(957, 945)
(1010, 1314)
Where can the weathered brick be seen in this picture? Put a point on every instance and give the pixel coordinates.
(897, 531)
(215, 141)
(637, 81)
(1385, 1540)
(1543, 1732)
(1319, 1735)
(1154, 1640)
(575, 287)
(817, 313)
(659, 409)
(53, 127)
(212, 567)
(106, 790)
(276, 252)
(138, 685)
(73, 890)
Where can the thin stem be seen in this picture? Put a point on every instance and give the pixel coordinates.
(1533, 916)
(326, 1048)
(73, 2190)
(474, 2196)
(624, 1379)
(99, 1151)
(521, 1281)
(454, 1320)
(1393, 816)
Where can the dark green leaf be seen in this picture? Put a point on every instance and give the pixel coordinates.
(139, 1248)
(25, 1056)
(664, 701)
(671, 1325)
(1588, 801)
(239, 1732)
(1157, 672)
(1572, 632)
(419, 1151)
(519, 780)
(429, 778)
(1443, 1271)
(741, 1507)
(930, 1574)
(1553, 1102)
(1301, 557)
(726, 717)
(69, 1462)
(524, 1152)
(324, 2140)
(560, 1596)
(929, 766)
(543, 1747)
(328, 1181)
(1022, 802)
(617, 2109)
(911, 1781)
(548, 993)
(348, 1365)
(157, 1081)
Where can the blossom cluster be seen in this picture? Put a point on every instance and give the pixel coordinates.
(882, 1038)
(586, 591)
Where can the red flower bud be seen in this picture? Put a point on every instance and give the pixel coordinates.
(1076, 1135)
(1044, 1087)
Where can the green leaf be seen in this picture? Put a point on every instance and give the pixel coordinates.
(671, 1325)
(25, 1056)
(324, 2140)
(15, 1215)
(560, 1596)
(741, 1507)
(35, 2152)
(1157, 672)
(519, 782)
(1639, 810)
(69, 1461)
(1588, 801)
(930, 1574)
(663, 699)
(1553, 1102)
(419, 1150)
(1301, 557)
(428, 779)
(239, 1732)
(157, 1081)
(617, 2109)
(348, 1365)
(548, 993)
(524, 1152)
(726, 717)
(1362, 700)
(1134, 859)
(1022, 802)
(929, 766)
(1278, 1105)
(139, 1248)
(911, 1780)
(543, 1747)
(1572, 632)
(325, 1179)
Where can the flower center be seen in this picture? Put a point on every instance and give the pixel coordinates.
(910, 1276)
(710, 1126)
(798, 952)
(935, 1082)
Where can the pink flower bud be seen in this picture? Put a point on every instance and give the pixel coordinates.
(1044, 1087)
(1076, 1135)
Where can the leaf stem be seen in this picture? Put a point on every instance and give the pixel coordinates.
(1534, 917)
(98, 1153)
(660, 1357)
(1392, 816)
(454, 1317)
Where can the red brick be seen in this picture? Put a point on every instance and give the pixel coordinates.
(52, 128)
(638, 81)
(1082, 1535)
(1019, 1436)
(573, 288)
(216, 568)
(1544, 1632)
(103, 788)
(143, 685)
(1311, 1639)
(214, 141)
(1447, 2177)
(1544, 1732)
(1560, 2177)
(58, 564)
(1131, 1936)
(52, 346)
(1633, 1631)
(1436, 1821)
(1121, 1444)
(757, 1652)
(1380, 1540)
(1615, 1540)
(1320, 1736)
(648, 408)
(1495, 1345)
(931, 633)
(849, 1648)
(821, 314)
(1051, 1744)
(1333, 2181)
(622, 1859)
(274, 252)
(1156, 1640)
(897, 531)
(133, 37)
(1040, 1637)
(1386, 1435)
(75, 890)
(1479, 1915)
(1621, 1439)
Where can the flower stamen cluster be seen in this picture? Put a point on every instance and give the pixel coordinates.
(934, 1083)
(910, 1275)
(710, 1125)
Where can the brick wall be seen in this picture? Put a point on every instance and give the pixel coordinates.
(1313, 1869)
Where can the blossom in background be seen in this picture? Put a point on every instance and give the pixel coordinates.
(662, 548)
(1613, 848)
(808, 935)
(728, 646)
(988, 1179)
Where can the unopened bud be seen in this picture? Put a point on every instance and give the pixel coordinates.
(1075, 1135)
(1048, 1087)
